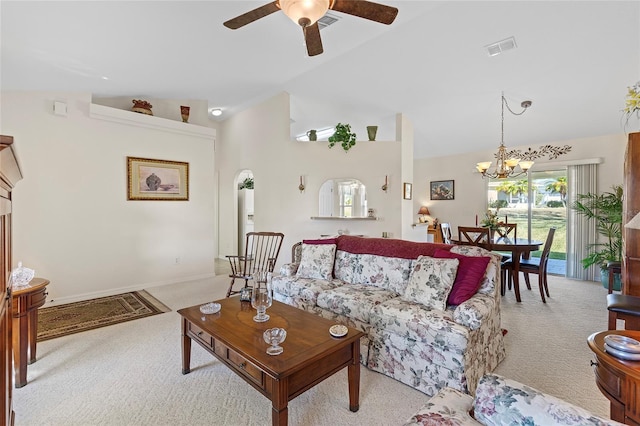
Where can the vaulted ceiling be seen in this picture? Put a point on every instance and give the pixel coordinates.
(574, 60)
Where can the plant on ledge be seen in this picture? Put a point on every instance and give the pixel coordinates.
(343, 135)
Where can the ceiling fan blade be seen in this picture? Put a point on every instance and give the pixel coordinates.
(367, 10)
(312, 39)
(252, 15)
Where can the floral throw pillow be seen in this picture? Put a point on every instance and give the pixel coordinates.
(431, 281)
(317, 261)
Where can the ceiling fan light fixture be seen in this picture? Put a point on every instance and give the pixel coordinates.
(304, 12)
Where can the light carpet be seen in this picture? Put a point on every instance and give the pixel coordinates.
(130, 373)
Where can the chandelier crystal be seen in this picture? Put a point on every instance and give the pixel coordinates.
(505, 167)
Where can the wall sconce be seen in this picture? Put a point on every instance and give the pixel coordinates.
(386, 184)
(423, 212)
(301, 186)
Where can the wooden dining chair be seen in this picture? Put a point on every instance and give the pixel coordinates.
(261, 253)
(534, 266)
(508, 230)
(445, 229)
(471, 235)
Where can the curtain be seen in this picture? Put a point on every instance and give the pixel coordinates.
(581, 179)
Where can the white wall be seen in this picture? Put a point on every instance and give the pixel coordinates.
(259, 139)
(470, 189)
(72, 221)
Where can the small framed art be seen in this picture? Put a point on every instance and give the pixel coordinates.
(406, 191)
(442, 190)
(164, 180)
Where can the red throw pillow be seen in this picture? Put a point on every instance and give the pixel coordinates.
(468, 279)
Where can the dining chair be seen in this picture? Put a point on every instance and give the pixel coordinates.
(261, 253)
(470, 235)
(507, 230)
(445, 229)
(534, 266)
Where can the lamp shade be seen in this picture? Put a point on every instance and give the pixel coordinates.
(424, 210)
(634, 223)
(304, 9)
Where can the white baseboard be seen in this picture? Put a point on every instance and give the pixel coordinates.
(119, 290)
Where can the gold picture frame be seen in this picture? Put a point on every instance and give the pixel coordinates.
(158, 180)
(406, 191)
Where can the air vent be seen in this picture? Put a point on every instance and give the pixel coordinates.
(326, 20)
(501, 46)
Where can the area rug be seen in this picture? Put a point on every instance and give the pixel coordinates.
(62, 320)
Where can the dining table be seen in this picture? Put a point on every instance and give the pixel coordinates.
(520, 248)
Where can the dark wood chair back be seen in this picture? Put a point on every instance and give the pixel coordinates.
(471, 235)
(535, 266)
(508, 230)
(261, 254)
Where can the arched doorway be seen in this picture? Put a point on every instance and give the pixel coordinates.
(245, 207)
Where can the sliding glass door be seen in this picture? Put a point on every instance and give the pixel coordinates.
(536, 202)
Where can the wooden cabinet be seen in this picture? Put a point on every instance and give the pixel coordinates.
(631, 207)
(9, 175)
(617, 379)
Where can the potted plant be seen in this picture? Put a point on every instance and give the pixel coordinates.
(606, 211)
(246, 184)
(343, 135)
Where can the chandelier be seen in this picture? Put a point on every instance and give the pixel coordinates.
(505, 167)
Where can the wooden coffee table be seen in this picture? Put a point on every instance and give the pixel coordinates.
(310, 354)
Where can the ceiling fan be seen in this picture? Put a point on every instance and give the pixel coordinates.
(307, 12)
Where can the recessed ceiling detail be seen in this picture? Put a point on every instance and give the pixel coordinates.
(501, 46)
(327, 19)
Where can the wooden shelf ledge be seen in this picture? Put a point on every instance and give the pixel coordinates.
(122, 116)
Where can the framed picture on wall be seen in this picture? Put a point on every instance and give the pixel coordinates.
(442, 190)
(406, 191)
(163, 180)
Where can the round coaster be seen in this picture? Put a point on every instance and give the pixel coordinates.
(338, 330)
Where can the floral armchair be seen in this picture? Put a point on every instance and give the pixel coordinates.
(501, 401)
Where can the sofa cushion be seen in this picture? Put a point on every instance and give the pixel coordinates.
(354, 300)
(469, 276)
(388, 247)
(306, 289)
(500, 401)
(317, 261)
(431, 281)
(492, 276)
(390, 273)
(345, 266)
(449, 407)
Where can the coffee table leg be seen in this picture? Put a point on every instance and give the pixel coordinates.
(186, 348)
(354, 378)
(279, 399)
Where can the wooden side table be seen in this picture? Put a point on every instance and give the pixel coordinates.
(26, 302)
(437, 235)
(617, 379)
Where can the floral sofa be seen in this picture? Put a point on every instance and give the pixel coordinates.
(430, 312)
(500, 401)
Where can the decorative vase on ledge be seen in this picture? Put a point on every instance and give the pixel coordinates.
(371, 132)
(184, 112)
(143, 107)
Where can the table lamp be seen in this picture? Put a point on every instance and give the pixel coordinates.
(423, 212)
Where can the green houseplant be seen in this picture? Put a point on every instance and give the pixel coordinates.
(247, 183)
(343, 135)
(606, 211)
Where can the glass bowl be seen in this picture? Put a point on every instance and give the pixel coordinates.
(210, 308)
(274, 336)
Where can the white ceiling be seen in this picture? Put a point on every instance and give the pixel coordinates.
(574, 60)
